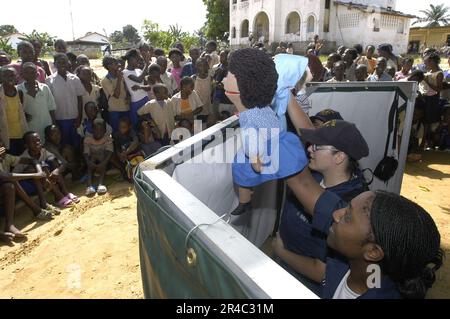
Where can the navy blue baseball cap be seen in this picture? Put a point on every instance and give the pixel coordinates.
(343, 135)
(327, 115)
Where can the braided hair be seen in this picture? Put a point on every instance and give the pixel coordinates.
(256, 77)
(410, 241)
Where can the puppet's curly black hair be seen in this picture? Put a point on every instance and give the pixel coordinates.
(256, 77)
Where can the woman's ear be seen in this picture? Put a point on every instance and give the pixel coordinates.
(373, 253)
(340, 158)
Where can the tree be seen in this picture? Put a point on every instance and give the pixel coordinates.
(131, 34)
(165, 38)
(435, 16)
(44, 38)
(217, 19)
(5, 46)
(7, 29)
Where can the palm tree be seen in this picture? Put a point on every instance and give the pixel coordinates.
(435, 16)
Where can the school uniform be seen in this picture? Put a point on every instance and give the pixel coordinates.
(163, 114)
(169, 81)
(18, 67)
(66, 93)
(39, 107)
(138, 98)
(117, 107)
(188, 106)
(92, 96)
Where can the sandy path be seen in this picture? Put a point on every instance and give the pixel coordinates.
(90, 252)
(100, 239)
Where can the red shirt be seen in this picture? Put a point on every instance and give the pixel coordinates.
(18, 67)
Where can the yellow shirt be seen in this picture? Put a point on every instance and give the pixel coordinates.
(13, 117)
(185, 107)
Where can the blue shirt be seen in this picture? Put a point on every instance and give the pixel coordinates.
(189, 69)
(306, 235)
(337, 268)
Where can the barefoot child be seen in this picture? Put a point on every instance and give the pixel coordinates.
(98, 150)
(50, 166)
(10, 187)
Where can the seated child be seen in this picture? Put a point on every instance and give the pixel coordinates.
(10, 187)
(98, 150)
(187, 103)
(126, 145)
(87, 126)
(147, 140)
(183, 131)
(52, 168)
(162, 113)
(64, 154)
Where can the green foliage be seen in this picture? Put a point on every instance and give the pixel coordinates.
(44, 38)
(166, 38)
(7, 29)
(435, 15)
(217, 24)
(131, 34)
(5, 46)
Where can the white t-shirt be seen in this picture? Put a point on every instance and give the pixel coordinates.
(343, 291)
(138, 95)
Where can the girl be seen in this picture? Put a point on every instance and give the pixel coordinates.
(407, 65)
(176, 56)
(187, 103)
(134, 79)
(268, 152)
(38, 102)
(431, 87)
(203, 87)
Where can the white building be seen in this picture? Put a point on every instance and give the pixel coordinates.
(341, 22)
(94, 37)
(14, 39)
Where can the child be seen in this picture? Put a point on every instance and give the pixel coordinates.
(221, 102)
(87, 127)
(13, 123)
(52, 168)
(190, 69)
(369, 60)
(332, 59)
(148, 144)
(187, 103)
(98, 150)
(339, 72)
(126, 145)
(211, 49)
(68, 92)
(361, 73)
(91, 91)
(203, 87)
(306, 77)
(442, 133)
(349, 58)
(10, 187)
(37, 45)
(166, 78)
(252, 91)
(134, 79)
(83, 60)
(116, 93)
(38, 102)
(176, 56)
(162, 112)
(5, 59)
(26, 53)
(64, 154)
(390, 70)
(407, 65)
(154, 77)
(380, 72)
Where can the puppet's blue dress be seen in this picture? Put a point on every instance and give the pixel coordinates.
(281, 153)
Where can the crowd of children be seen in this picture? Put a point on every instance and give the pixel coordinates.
(59, 118)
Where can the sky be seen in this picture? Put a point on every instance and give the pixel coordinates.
(110, 15)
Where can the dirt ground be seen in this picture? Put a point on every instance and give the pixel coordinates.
(92, 251)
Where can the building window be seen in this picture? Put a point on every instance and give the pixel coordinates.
(244, 29)
(233, 33)
(311, 24)
(401, 26)
(376, 25)
(293, 23)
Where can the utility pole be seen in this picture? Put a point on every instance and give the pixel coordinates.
(71, 19)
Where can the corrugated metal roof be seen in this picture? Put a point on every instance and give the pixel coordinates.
(364, 7)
